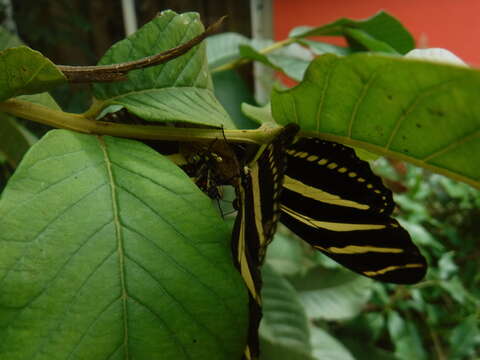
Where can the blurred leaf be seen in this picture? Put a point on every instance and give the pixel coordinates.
(180, 90)
(416, 212)
(326, 347)
(332, 294)
(294, 67)
(361, 40)
(8, 40)
(248, 52)
(382, 27)
(258, 114)
(420, 112)
(420, 235)
(446, 265)
(464, 338)
(232, 92)
(290, 60)
(15, 140)
(119, 243)
(366, 351)
(321, 48)
(284, 328)
(224, 48)
(456, 289)
(44, 99)
(284, 255)
(26, 71)
(405, 336)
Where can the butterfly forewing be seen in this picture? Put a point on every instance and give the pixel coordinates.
(332, 200)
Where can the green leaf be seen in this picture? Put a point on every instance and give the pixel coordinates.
(285, 255)
(248, 52)
(292, 60)
(363, 41)
(180, 90)
(321, 48)
(420, 112)
(405, 336)
(284, 328)
(15, 140)
(464, 337)
(44, 99)
(326, 346)
(224, 48)
(382, 27)
(455, 288)
(8, 40)
(259, 114)
(109, 251)
(231, 91)
(365, 351)
(26, 71)
(332, 294)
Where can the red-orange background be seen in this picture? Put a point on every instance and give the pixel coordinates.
(449, 24)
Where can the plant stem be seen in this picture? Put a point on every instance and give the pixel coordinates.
(83, 124)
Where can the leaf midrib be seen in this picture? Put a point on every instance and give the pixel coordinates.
(119, 239)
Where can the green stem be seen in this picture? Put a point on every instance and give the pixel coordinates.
(236, 63)
(83, 124)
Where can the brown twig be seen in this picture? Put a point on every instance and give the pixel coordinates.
(118, 72)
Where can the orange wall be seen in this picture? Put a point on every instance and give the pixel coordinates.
(450, 24)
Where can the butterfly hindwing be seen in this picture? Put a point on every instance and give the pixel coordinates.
(332, 200)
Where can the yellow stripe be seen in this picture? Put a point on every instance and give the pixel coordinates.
(320, 195)
(335, 226)
(354, 249)
(244, 266)
(257, 207)
(392, 268)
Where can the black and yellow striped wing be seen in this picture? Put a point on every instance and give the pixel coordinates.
(332, 200)
(258, 200)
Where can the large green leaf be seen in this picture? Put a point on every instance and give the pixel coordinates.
(179, 90)
(284, 328)
(332, 294)
(26, 71)
(421, 112)
(108, 251)
(381, 27)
